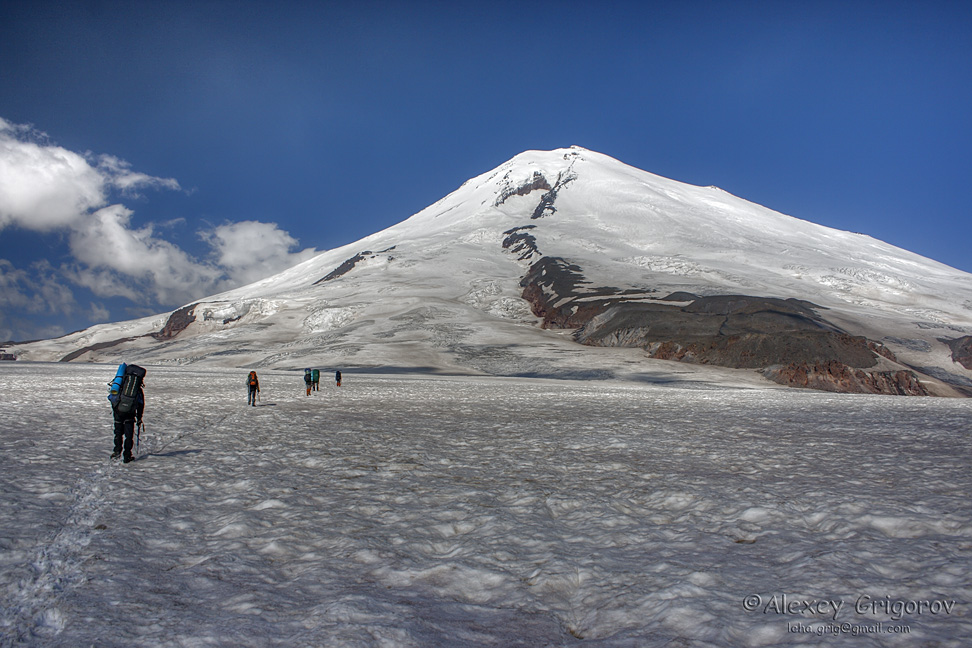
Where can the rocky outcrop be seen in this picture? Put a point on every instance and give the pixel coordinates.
(559, 294)
(961, 350)
(344, 268)
(349, 264)
(681, 296)
(787, 339)
(519, 241)
(758, 350)
(881, 350)
(546, 205)
(177, 322)
(538, 181)
(838, 377)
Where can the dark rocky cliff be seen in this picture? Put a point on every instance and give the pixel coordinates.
(785, 338)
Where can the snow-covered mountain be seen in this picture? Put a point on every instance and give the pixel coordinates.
(569, 263)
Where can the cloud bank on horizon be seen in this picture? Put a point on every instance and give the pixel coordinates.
(46, 188)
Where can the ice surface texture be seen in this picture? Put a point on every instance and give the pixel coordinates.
(411, 511)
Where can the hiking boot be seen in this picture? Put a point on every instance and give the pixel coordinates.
(115, 455)
(127, 459)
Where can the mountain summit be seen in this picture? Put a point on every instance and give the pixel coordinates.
(569, 263)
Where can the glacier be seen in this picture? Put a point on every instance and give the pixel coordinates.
(688, 508)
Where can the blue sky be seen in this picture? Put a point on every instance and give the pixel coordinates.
(152, 153)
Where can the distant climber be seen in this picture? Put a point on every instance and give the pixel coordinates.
(252, 388)
(337, 378)
(316, 379)
(308, 380)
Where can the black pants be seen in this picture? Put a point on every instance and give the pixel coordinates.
(125, 430)
(251, 398)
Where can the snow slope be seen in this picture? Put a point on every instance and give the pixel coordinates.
(439, 291)
(479, 511)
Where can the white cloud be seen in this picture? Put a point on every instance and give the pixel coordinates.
(117, 260)
(46, 188)
(112, 259)
(118, 173)
(251, 250)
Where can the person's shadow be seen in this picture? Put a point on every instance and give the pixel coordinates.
(172, 453)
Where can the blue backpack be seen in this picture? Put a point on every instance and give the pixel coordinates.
(129, 392)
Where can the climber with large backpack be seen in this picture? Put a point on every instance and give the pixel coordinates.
(252, 388)
(308, 380)
(127, 400)
(316, 379)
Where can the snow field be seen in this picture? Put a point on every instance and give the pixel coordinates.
(444, 511)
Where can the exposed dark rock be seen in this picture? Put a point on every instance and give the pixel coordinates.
(555, 291)
(728, 330)
(961, 350)
(881, 350)
(787, 338)
(838, 377)
(344, 268)
(177, 322)
(538, 181)
(746, 304)
(756, 350)
(521, 242)
(680, 296)
(7, 357)
(546, 205)
(555, 277)
(349, 264)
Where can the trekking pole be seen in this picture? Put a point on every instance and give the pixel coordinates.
(138, 436)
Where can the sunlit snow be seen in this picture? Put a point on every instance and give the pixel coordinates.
(405, 510)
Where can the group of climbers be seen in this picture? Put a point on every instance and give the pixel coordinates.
(127, 399)
(312, 380)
